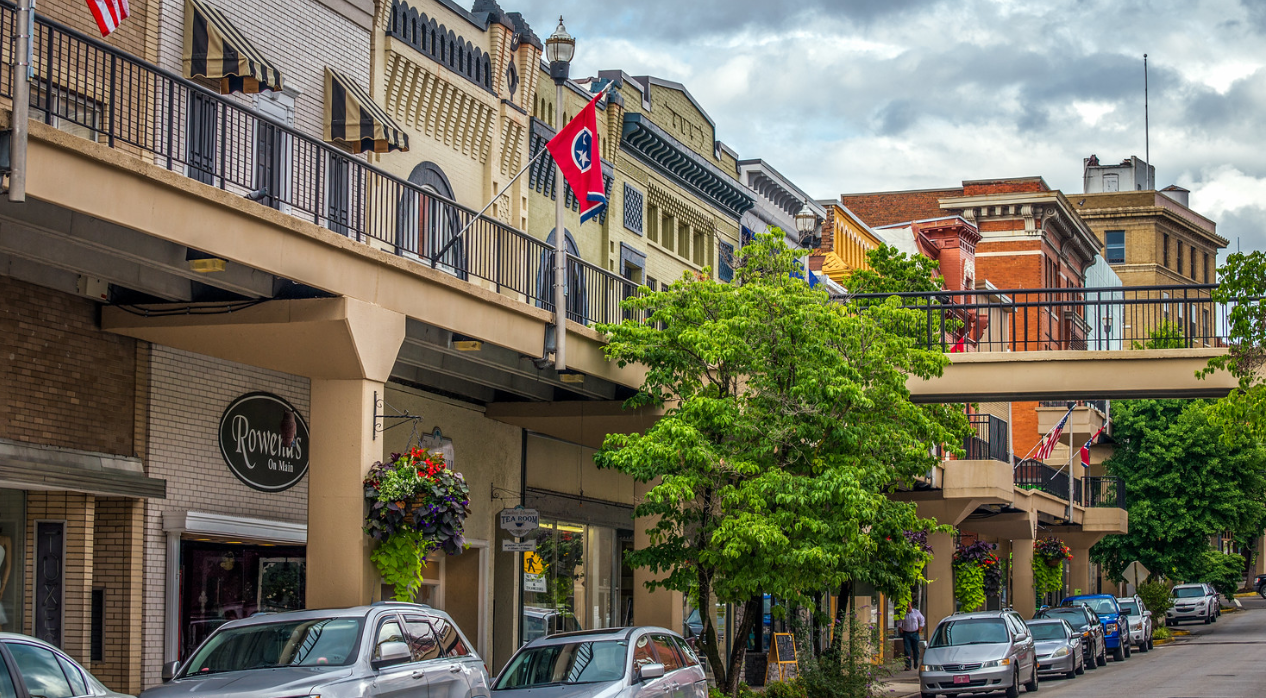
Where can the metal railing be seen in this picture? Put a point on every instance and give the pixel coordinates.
(1106, 492)
(1100, 405)
(88, 87)
(991, 440)
(1043, 319)
(1033, 474)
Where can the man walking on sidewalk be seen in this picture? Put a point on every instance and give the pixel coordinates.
(910, 627)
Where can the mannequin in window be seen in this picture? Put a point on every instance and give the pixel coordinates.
(6, 565)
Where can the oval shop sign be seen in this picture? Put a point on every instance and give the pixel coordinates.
(253, 434)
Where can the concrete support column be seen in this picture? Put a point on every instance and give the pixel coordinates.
(940, 601)
(343, 448)
(660, 607)
(1023, 597)
(1080, 542)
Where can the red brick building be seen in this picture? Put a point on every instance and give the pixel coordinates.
(1029, 237)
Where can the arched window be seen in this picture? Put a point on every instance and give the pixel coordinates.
(577, 292)
(426, 224)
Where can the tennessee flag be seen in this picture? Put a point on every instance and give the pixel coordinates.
(575, 149)
(1085, 449)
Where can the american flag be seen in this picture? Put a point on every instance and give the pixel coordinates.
(108, 13)
(1085, 449)
(1048, 442)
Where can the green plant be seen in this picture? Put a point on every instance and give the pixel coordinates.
(975, 568)
(416, 505)
(1160, 632)
(851, 672)
(1049, 555)
(1155, 596)
(785, 689)
(1224, 571)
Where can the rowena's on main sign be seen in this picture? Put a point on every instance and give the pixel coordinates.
(264, 441)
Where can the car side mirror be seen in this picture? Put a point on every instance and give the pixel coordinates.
(1147, 614)
(923, 644)
(169, 670)
(650, 671)
(391, 653)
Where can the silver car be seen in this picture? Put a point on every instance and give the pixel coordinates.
(387, 650)
(35, 668)
(979, 653)
(642, 662)
(1191, 602)
(1140, 620)
(1058, 647)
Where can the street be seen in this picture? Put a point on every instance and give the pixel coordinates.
(1222, 660)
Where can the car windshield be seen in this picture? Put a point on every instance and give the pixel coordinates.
(1130, 608)
(563, 664)
(1074, 616)
(1048, 631)
(974, 631)
(1104, 607)
(314, 642)
(1187, 592)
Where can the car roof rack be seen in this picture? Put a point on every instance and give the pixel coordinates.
(411, 604)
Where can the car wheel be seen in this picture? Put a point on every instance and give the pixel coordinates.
(927, 695)
(1143, 646)
(1126, 646)
(1013, 691)
(1081, 669)
(1208, 620)
(1102, 659)
(1031, 686)
(1151, 643)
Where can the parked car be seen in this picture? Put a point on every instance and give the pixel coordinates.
(1087, 623)
(1190, 602)
(387, 649)
(1116, 631)
(1217, 601)
(1259, 585)
(979, 653)
(642, 662)
(1140, 621)
(543, 622)
(1058, 647)
(33, 667)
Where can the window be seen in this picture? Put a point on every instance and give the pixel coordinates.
(1193, 263)
(1165, 250)
(73, 113)
(274, 150)
(643, 654)
(7, 689)
(725, 264)
(632, 209)
(77, 683)
(652, 223)
(683, 239)
(450, 640)
(1179, 248)
(687, 653)
(668, 231)
(1115, 240)
(1207, 275)
(701, 248)
(571, 663)
(423, 644)
(667, 653)
(40, 670)
(96, 643)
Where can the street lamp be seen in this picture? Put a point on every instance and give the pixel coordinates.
(559, 49)
(807, 225)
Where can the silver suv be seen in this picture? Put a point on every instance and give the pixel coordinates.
(1192, 602)
(979, 653)
(387, 649)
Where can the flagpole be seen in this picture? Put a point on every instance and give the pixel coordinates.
(453, 241)
(1043, 439)
(1072, 477)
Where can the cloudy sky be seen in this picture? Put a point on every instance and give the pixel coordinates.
(868, 95)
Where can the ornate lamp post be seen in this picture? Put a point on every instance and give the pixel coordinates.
(807, 225)
(559, 49)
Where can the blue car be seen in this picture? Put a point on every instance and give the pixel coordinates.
(1116, 625)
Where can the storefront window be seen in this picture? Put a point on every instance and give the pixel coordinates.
(221, 582)
(12, 553)
(575, 579)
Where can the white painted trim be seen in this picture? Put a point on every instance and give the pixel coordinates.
(171, 614)
(224, 525)
(483, 638)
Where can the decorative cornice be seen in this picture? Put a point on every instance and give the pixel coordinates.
(650, 143)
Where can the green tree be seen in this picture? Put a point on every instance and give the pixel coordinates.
(786, 419)
(1242, 285)
(892, 271)
(1185, 482)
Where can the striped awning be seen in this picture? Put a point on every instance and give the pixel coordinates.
(216, 50)
(354, 121)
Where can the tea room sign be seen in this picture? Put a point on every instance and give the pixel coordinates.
(264, 441)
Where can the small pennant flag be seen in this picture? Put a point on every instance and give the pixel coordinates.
(1085, 449)
(109, 14)
(575, 149)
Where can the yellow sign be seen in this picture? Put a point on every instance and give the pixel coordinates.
(532, 563)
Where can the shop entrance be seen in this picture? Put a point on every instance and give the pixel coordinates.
(220, 582)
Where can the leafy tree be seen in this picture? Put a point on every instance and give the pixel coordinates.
(892, 271)
(1225, 571)
(1167, 335)
(786, 419)
(1183, 484)
(1242, 285)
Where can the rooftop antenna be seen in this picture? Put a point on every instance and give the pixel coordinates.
(1147, 141)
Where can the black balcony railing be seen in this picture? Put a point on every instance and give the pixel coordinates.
(87, 86)
(1105, 492)
(990, 441)
(1101, 405)
(1033, 474)
(1042, 319)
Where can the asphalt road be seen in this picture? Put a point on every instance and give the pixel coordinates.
(1220, 660)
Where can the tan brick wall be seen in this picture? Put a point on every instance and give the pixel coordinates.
(78, 511)
(65, 383)
(117, 569)
(130, 36)
(189, 393)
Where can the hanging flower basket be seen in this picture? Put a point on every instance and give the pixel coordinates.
(1049, 555)
(416, 504)
(976, 574)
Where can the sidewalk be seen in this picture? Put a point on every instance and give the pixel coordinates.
(902, 684)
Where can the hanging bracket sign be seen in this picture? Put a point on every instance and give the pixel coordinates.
(521, 546)
(264, 441)
(519, 521)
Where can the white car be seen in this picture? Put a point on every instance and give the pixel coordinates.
(1140, 620)
(1191, 602)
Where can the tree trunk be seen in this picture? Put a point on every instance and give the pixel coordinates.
(841, 618)
(709, 639)
(751, 611)
(814, 627)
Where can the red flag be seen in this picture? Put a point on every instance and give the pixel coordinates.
(959, 346)
(108, 13)
(1085, 449)
(575, 149)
